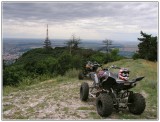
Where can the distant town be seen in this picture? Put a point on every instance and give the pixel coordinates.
(14, 48)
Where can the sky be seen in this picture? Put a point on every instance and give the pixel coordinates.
(121, 21)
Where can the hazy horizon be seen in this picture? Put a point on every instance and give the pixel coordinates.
(52, 40)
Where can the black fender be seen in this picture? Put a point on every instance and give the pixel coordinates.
(110, 82)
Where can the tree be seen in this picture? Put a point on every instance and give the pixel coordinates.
(76, 42)
(147, 47)
(64, 63)
(4, 64)
(73, 43)
(115, 56)
(107, 44)
(135, 56)
(98, 57)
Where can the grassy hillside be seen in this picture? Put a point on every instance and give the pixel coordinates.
(42, 61)
(58, 98)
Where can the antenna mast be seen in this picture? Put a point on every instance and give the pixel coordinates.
(47, 43)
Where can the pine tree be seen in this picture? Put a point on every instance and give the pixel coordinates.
(147, 47)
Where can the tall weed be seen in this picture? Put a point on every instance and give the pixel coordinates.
(72, 73)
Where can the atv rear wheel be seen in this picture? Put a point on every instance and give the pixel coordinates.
(81, 76)
(84, 91)
(137, 103)
(104, 104)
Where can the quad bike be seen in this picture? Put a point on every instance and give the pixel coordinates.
(87, 69)
(114, 92)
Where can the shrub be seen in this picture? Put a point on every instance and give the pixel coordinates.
(136, 56)
(98, 57)
(13, 75)
(72, 73)
(64, 63)
(77, 61)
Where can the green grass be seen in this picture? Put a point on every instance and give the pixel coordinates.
(41, 105)
(66, 110)
(8, 107)
(70, 76)
(94, 115)
(86, 108)
(72, 73)
(9, 89)
(138, 68)
(18, 115)
(30, 110)
(25, 84)
(75, 114)
(61, 78)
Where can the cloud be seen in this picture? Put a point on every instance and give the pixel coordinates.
(75, 10)
(97, 18)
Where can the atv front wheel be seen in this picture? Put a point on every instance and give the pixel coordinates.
(104, 104)
(81, 76)
(84, 91)
(137, 103)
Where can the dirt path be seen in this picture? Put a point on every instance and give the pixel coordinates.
(49, 100)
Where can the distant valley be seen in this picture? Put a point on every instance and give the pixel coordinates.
(13, 48)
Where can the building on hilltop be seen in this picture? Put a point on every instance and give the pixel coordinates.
(47, 43)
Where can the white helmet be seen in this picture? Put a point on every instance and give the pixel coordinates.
(123, 74)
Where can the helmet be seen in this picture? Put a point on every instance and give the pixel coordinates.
(123, 74)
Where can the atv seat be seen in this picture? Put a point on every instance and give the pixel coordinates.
(116, 75)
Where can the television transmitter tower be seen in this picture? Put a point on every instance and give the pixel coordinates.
(47, 43)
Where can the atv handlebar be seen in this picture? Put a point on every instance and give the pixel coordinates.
(111, 67)
(114, 67)
(99, 65)
(95, 64)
